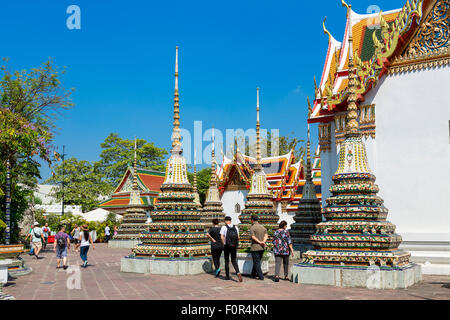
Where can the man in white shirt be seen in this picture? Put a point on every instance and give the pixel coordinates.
(107, 233)
(230, 239)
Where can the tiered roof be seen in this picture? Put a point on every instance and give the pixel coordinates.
(148, 183)
(377, 40)
(134, 220)
(285, 177)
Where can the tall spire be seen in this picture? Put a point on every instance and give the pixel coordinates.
(308, 149)
(135, 186)
(195, 171)
(213, 161)
(135, 197)
(352, 128)
(258, 138)
(176, 137)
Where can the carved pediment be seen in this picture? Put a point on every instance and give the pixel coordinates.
(430, 46)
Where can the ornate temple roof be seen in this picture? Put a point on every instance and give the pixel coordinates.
(378, 40)
(148, 182)
(285, 177)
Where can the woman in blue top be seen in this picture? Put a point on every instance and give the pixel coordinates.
(282, 248)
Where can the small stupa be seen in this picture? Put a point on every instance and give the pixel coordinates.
(212, 208)
(309, 213)
(356, 246)
(176, 240)
(196, 195)
(259, 199)
(135, 217)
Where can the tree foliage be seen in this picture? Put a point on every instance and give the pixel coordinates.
(83, 182)
(202, 182)
(30, 102)
(117, 154)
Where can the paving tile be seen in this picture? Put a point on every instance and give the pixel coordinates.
(103, 280)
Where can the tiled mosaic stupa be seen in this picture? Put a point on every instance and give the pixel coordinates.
(176, 230)
(259, 199)
(308, 214)
(194, 184)
(356, 234)
(134, 219)
(212, 208)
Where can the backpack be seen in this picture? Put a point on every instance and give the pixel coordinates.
(61, 242)
(232, 237)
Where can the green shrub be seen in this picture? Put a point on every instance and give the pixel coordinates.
(2, 226)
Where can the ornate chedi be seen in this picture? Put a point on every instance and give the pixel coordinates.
(134, 219)
(212, 208)
(196, 195)
(176, 230)
(308, 214)
(356, 234)
(259, 199)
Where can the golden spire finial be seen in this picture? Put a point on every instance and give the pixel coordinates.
(135, 186)
(176, 136)
(258, 141)
(349, 7)
(213, 161)
(195, 170)
(308, 156)
(309, 107)
(325, 30)
(352, 127)
(316, 90)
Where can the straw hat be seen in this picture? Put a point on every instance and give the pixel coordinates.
(36, 223)
(84, 227)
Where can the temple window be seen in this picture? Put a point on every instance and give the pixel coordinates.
(237, 208)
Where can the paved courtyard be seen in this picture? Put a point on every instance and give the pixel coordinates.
(103, 280)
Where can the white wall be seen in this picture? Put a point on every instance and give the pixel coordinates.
(229, 200)
(411, 154)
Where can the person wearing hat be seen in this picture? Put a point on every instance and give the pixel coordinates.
(85, 242)
(37, 236)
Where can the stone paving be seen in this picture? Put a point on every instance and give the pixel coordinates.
(103, 280)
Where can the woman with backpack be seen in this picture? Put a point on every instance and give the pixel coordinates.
(60, 246)
(230, 239)
(282, 248)
(85, 242)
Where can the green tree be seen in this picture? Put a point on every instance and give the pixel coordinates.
(202, 182)
(30, 102)
(288, 143)
(117, 154)
(83, 182)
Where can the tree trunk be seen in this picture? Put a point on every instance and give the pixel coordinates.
(8, 202)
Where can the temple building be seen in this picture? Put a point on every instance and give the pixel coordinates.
(176, 242)
(402, 61)
(134, 219)
(148, 183)
(308, 213)
(259, 199)
(285, 177)
(212, 208)
(356, 246)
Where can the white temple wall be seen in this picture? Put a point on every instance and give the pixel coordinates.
(229, 200)
(411, 153)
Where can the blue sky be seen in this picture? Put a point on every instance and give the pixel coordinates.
(121, 62)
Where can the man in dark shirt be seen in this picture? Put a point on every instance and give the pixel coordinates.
(61, 244)
(216, 245)
(259, 237)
